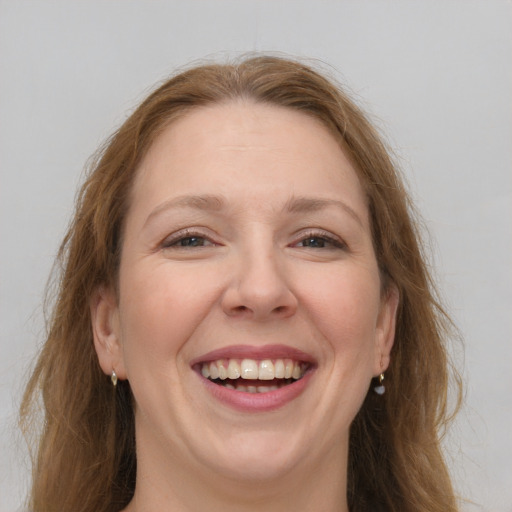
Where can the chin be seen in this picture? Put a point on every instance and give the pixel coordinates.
(258, 457)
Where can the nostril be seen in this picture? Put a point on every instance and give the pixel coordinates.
(244, 309)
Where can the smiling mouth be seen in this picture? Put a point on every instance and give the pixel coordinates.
(252, 375)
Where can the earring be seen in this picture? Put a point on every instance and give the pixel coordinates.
(113, 378)
(380, 389)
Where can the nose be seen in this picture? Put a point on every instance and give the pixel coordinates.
(259, 289)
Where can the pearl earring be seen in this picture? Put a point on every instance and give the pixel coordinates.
(380, 389)
(113, 378)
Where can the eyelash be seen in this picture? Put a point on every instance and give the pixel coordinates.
(329, 242)
(188, 234)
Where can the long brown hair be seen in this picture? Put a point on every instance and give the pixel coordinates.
(85, 457)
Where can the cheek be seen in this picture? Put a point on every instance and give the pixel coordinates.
(345, 306)
(159, 311)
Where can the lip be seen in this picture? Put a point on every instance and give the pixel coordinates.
(253, 352)
(256, 402)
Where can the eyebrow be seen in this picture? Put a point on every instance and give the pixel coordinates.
(215, 203)
(205, 202)
(314, 204)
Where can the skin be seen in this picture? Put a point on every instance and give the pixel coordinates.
(262, 274)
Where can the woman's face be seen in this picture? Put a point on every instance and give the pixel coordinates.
(250, 318)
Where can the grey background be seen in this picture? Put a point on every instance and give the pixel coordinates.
(436, 76)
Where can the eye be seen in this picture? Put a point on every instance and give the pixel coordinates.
(320, 241)
(191, 241)
(187, 240)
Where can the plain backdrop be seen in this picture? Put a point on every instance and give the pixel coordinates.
(435, 75)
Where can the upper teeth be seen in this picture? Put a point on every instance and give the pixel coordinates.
(253, 370)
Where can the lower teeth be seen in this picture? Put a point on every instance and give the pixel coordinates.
(235, 385)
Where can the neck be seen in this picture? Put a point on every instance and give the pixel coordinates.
(165, 484)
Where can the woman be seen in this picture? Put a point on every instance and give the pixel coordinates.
(241, 275)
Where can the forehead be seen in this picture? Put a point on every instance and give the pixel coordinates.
(244, 149)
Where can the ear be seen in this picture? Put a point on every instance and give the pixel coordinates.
(106, 331)
(385, 331)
